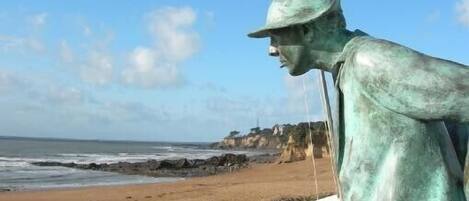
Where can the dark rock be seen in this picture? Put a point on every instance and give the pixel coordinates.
(183, 163)
(153, 165)
(94, 166)
(176, 164)
(50, 164)
(232, 159)
(166, 168)
(214, 161)
(167, 164)
(199, 162)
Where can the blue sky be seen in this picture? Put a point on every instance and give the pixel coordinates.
(177, 70)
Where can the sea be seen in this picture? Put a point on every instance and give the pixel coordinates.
(17, 173)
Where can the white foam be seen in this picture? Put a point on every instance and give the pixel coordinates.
(167, 148)
(8, 164)
(82, 158)
(17, 172)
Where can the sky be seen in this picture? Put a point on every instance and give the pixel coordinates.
(182, 70)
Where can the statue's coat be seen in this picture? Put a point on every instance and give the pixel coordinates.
(392, 143)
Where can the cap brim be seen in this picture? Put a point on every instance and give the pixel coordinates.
(264, 31)
(261, 33)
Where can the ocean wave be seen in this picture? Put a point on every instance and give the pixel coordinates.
(86, 158)
(8, 162)
(162, 147)
(16, 171)
(78, 155)
(78, 178)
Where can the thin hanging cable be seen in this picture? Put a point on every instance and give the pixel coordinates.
(310, 138)
(328, 129)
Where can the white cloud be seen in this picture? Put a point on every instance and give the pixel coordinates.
(462, 9)
(64, 96)
(96, 66)
(145, 71)
(99, 68)
(25, 44)
(39, 89)
(39, 20)
(12, 43)
(66, 53)
(144, 59)
(174, 43)
(172, 31)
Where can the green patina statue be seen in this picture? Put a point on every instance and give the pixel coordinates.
(391, 140)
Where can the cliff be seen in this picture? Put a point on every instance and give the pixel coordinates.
(251, 141)
(278, 137)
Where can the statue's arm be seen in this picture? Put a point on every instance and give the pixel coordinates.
(414, 84)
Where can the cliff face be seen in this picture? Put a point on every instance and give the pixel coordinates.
(293, 152)
(251, 141)
(295, 138)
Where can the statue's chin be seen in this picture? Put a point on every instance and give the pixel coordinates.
(297, 71)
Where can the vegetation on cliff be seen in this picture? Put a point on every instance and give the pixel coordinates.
(275, 137)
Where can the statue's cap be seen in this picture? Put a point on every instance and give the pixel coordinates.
(285, 13)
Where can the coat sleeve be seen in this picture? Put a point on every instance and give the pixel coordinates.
(411, 83)
(459, 135)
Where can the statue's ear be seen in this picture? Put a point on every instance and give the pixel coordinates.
(305, 29)
(308, 32)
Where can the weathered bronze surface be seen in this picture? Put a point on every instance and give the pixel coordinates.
(392, 104)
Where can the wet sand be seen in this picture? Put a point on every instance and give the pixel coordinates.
(260, 182)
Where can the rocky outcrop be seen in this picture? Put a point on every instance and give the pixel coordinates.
(166, 168)
(251, 141)
(278, 138)
(293, 152)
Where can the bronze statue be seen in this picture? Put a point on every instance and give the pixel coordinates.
(391, 140)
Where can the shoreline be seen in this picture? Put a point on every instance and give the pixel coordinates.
(162, 171)
(38, 190)
(256, 182)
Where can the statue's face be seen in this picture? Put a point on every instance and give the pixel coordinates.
(291, 46)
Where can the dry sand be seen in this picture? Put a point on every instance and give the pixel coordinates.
(260, 182)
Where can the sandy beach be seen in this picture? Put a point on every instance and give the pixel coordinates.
(259, 182)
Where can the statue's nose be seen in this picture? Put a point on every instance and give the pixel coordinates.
(273, 51)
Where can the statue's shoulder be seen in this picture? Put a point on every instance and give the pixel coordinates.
(367, 58)
(375, 48)
(366, 52)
